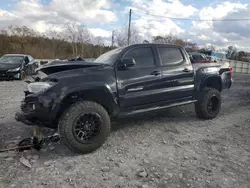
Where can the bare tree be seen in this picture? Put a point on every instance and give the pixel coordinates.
(70, 35)
(190, 46)
(56, 40)
(240, 56)
(121, 37)
(167, 39)
(83, 36)
(100, 43)
(23, 34)
(231, 52)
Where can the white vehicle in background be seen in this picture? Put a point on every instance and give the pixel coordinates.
(218, 56)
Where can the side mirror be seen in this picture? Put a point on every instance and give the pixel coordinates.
(215, 61)
(125, 63)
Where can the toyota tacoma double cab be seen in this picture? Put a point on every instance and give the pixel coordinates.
(80, 98)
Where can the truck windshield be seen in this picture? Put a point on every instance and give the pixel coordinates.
(108, 57)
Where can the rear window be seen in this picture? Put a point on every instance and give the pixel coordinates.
(170, 55)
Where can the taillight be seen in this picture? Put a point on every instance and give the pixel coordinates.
(231, 71)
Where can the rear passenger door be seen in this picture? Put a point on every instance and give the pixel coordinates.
(137, 84)
(177, 81)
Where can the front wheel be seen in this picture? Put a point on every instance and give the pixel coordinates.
(22, 75)
(209, 104)
(84, 127)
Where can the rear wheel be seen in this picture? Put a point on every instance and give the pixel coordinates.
(209, 104)
(84, 127)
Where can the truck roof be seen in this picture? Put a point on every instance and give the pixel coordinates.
(154, 44)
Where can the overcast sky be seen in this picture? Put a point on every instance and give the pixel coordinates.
(103, 16)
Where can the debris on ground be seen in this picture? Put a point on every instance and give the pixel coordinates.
(25, 162)
(48, 163)
(143, 173)
(105, 169)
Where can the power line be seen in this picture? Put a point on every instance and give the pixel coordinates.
(193, 19)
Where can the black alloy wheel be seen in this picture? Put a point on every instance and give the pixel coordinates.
(87, 127)
(208, 104)
(213, 104)
(84, 126)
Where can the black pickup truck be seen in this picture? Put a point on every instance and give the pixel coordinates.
(79, 98)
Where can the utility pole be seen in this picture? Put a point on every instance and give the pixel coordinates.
(113, 39)
(129, 24)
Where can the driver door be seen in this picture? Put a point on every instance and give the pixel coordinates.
(137, 84)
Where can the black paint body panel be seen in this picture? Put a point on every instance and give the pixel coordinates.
(126, 91)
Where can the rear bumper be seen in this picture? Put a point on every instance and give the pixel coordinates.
(227, 80)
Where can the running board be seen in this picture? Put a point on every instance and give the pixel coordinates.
(156, 108)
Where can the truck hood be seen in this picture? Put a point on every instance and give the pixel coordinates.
(59, 66)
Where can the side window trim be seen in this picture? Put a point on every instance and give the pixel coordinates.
(153, 55)
(171, 64)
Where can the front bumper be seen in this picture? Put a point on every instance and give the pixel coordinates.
(34, 111)
(9, 75)
(20, 116)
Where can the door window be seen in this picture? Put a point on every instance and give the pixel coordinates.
(26, 60)
(170, 56)
(142, 56)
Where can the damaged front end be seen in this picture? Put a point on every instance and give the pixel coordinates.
(42, 98)
(37, 108)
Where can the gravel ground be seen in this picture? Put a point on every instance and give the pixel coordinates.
(172, 148)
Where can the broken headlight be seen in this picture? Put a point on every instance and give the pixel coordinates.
(14, 70)
(39, 86)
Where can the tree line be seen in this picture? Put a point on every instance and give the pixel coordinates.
(75, 40)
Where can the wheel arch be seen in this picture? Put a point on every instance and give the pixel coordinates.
(211, 82)
(101, 94)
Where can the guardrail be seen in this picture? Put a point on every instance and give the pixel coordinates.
(238, 66)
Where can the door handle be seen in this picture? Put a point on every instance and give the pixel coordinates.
(186, 70)
(156, 73)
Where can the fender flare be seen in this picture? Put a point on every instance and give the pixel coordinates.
(204, 81)
(94, 86)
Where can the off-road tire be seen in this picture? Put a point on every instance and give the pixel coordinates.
(65, 126)
(201, 106)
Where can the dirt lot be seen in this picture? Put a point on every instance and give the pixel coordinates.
(169, 149)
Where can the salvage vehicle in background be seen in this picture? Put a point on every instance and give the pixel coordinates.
(17, 66)
(80, 98)
(196, 57)
(214, 55)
